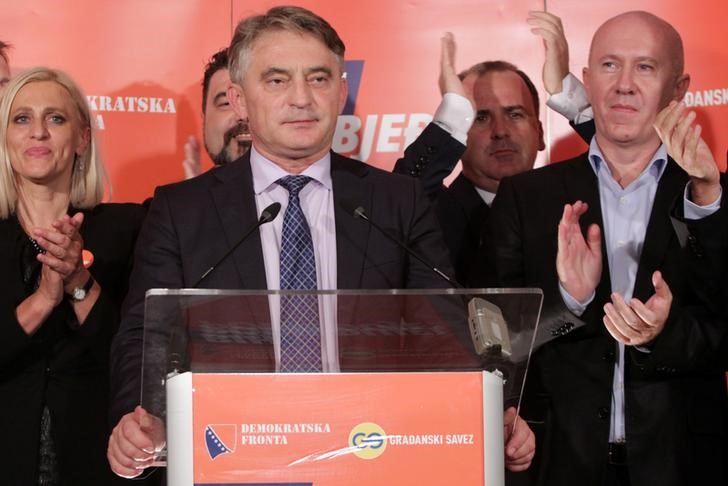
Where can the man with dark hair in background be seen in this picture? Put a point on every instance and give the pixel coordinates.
(225, 136)
(489, 119)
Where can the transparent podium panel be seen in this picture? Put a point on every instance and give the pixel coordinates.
(418, 336)
(206, 331)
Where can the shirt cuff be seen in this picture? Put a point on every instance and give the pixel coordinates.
(571, 102)
(577, 308)
(693, 211)
(455, 115)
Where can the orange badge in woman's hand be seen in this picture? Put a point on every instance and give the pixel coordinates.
(88, 258)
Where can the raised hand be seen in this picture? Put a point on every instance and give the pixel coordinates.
(556, 63)
(676, 128)
(449, 81)
(635, 323)
(578, 260)
(191, 163)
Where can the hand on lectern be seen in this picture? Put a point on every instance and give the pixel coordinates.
(135, 443)
(520, 443)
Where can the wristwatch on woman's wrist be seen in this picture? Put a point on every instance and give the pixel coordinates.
(80, 293)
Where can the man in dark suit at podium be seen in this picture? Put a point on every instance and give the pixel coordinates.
(287, 70)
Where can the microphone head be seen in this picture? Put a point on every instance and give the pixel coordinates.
(355, 211)
(269, 213)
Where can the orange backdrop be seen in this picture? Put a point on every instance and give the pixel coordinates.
(141, 62)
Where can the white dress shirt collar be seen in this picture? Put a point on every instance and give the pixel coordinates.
(266, 172)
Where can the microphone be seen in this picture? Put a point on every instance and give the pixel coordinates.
(488, 329)
(360, 213)
(266, 216)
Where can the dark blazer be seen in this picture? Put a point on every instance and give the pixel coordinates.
(431, 158)
(62, 366)
(191, 224)
(460, 210)
(675, 395)
(463, 215)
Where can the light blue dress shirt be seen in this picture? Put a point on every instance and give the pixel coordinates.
(625, 215)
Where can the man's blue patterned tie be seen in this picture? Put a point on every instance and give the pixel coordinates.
(300, 328)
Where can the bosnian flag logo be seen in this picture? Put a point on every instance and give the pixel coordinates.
(220, 439)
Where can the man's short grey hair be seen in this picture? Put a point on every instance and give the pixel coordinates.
(285, 18)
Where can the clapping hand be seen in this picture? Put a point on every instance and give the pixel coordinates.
(636, 323)
(675, 127)
(63, 247)
(578, 259)
(556, 64)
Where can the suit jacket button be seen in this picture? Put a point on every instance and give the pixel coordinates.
(608, 356)
(563, 329)
(603, 413)
(431, 149)
(695, 246)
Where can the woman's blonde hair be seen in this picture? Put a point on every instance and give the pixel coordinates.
(88, 181)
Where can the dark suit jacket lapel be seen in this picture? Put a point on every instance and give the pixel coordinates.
(235, 203)
(659, 233)
(464, 191)
(473, 211)
(350, 191)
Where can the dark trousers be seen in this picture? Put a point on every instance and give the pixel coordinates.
(617, 471)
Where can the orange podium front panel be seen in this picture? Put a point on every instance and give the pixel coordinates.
(331, 429)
